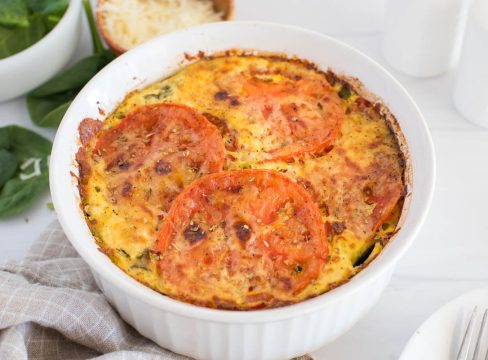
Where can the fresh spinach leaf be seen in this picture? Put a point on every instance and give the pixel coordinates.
(4, 140)
(26, 158)
(8, 166)
(48, 7)
(17, 195)
(48, 103)
(40, 108)
(73, 78)
(14, 13)
(96, 41)
(51, 118)
(14, 40)
(24, 143)
(24, 22)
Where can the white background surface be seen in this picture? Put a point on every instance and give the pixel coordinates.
(449, 257)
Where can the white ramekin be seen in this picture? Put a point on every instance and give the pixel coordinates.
(31, 67)
(217, 334)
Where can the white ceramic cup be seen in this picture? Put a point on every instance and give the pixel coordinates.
(471, 89)
(33, 66)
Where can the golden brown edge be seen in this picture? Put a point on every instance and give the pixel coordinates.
(103, 31)
(379, 105)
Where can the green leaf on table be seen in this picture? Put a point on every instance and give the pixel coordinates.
(44, 111)
(74, 77)
(24, 143)
(14, 40)
(48, 7)
(53, 118)
(14, 13)
(30, 152)
(8, 166)
(48, 103)
(17, 195)
(96, 41)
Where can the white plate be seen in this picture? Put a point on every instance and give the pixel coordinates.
(439, 337)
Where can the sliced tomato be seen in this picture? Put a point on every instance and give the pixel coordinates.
(232, 237)
(303, 114)
(257, 87)
(384, 202)
(362, 197)
(157, 150)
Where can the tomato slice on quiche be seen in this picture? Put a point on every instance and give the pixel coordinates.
(302, 114)
(242, 239)
(157, 150)
(279, 114)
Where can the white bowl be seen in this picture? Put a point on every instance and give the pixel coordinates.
(33, 66)
(218, 334)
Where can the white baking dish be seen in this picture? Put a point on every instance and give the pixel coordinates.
(218, 334)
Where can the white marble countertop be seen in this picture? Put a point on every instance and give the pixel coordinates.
(450, 255)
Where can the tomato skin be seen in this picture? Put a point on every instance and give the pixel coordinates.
(304, 113)
(216, 234)
(384, 205)
(165, 121)
(152, 154)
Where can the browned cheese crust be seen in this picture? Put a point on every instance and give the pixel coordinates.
(233, 112)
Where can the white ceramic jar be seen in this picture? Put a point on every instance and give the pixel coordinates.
(423, 37)
(471, 89)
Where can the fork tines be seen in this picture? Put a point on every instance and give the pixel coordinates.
(466, 348)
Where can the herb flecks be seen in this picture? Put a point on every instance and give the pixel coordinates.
(298, 269)
(142, 260)
(161, 95)
(123, 252)
(345, 92)
(194, 233)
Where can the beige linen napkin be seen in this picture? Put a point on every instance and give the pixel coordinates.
(51, 308)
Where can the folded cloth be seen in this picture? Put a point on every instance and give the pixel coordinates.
(51, 308)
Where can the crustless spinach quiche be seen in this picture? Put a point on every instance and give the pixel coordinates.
(244, 181)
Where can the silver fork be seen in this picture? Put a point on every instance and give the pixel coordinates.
(466, 348)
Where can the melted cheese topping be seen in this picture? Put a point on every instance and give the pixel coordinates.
(357, 183)
(256, 223)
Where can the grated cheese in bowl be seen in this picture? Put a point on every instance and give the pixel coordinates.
(127, 23)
